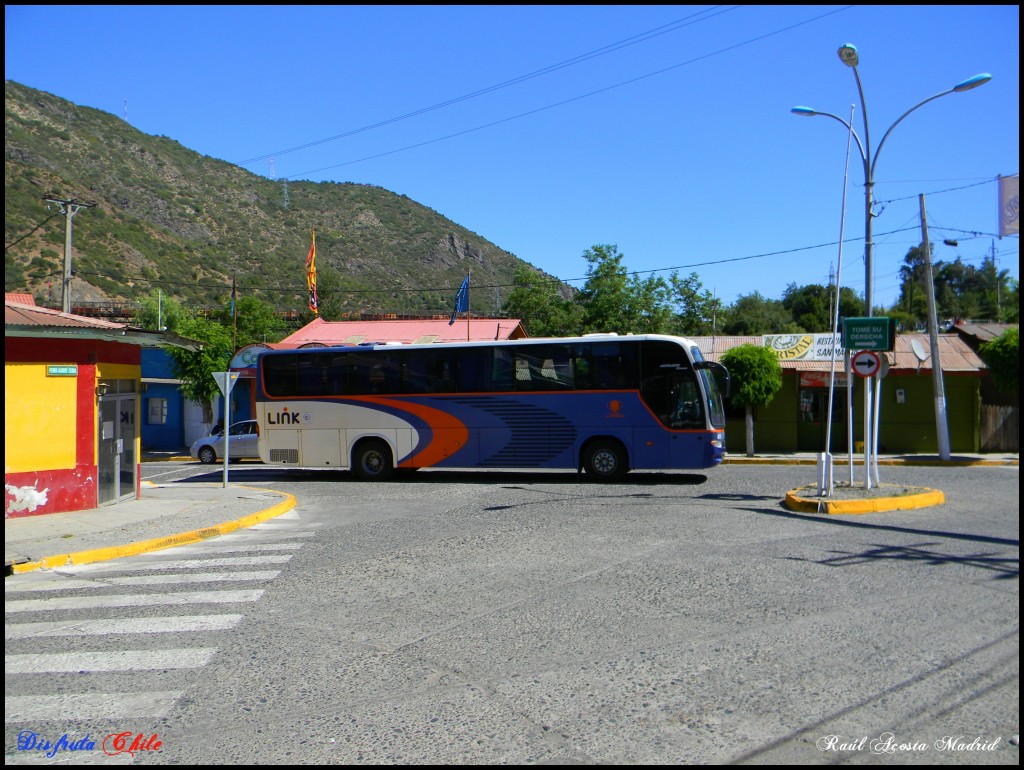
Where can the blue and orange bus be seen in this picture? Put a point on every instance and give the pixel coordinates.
(601, 403)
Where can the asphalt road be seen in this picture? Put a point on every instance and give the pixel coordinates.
(512, 618)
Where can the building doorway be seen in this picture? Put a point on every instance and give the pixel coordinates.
(117, 468)
(812, 425)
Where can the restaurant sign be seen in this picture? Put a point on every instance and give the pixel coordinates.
(804, 347)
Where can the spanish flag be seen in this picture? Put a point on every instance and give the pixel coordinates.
(311, 276)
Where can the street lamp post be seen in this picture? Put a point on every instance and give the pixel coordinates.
(849, 56)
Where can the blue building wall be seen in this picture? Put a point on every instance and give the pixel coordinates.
(170, 434)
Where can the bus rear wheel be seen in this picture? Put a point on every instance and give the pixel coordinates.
(605, 461)
(371, 461)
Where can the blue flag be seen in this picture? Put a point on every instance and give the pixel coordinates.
(461, 301)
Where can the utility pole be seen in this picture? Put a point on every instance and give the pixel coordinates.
(941, 425)
(68, 207)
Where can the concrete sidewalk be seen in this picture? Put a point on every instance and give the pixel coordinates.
(809, 458)
(189, 511)
(164, 516)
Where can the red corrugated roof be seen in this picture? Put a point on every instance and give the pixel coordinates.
(21, 299)
(407, 331)
(954, 354)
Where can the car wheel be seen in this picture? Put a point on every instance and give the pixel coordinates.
(605, 461)
(372, 461)
(207, 456)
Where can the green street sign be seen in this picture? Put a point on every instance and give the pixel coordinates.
(875, 333)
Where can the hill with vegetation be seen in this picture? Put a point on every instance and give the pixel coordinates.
(169, 219)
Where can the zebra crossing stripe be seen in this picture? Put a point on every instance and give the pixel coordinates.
(105, 626)
(82, 706)
(117, 660)
(227, 561)
(189, 550)
(149, 580)
(131, 600)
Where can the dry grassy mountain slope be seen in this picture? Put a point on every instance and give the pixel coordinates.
(168, 218)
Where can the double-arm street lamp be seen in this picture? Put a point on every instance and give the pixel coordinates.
(848, 55)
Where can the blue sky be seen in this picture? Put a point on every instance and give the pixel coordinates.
(664, 130)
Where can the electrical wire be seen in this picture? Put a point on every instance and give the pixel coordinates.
(642, 37)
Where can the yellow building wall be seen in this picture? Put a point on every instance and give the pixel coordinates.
(41, 413)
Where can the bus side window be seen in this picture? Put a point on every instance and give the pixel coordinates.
(472, 366)
(523, 380)
(502, 372)
(310, 380)
(336, 372)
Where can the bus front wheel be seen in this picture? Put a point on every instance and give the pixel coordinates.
(371, 461)
(605, 461)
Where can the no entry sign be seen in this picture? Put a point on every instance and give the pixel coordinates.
(866, 363)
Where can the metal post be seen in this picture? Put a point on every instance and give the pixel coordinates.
(941, 426)
(227, 435)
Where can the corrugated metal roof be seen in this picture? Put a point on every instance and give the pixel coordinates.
(21, 299)
(38, 322)
(982, 332)
(408, 331)
(954, 354)
(18, 314)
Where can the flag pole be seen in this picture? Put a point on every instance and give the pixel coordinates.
(234, 315)
(467, 304)
(314, 301)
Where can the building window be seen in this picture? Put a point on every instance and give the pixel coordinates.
(157, 411)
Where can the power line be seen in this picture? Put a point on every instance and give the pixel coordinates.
(573, 99)
(642, 37)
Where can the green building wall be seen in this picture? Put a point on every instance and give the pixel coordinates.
(907, 427)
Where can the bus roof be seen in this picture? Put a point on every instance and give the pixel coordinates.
(593, 337)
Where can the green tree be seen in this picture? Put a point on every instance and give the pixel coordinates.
(614, 301)
(756, 378)
(812, 307)
(1010, 302)
(253, 321)
(695, 310)
(913, 300)
(998, 291)
(1002, 356)
(752, 314)
(158, 312)
(544, 311)
(196, 368)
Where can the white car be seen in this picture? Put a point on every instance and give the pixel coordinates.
(242, 437)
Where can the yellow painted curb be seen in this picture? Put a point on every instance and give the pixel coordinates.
(926, 498)
(160, 543)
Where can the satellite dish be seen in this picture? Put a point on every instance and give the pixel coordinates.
(918, 351)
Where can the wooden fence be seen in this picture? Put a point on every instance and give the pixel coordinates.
(1000, 428)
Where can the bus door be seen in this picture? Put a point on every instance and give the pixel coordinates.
(679, 441)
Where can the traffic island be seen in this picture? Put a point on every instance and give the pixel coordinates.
(846, 499)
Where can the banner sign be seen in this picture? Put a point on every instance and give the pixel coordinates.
(803, 347)
(1009, 206)
(821, 380)
(244, 361)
